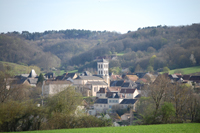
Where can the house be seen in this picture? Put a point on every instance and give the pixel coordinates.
(95, 86)
(140, 75)
(131, 77)
(94, 83)
(129, 93)
(101, 105)
(50, 75)
(53, 87)
(102, 93)
(125, 116)
(150, 77)
(27, 79)
(128, 102)
(115, 77)
(117, 83)
(114, 89)
(195, 79)
(129, 84)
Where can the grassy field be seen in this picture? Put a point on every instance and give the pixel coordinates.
(73, 71)
(162, 128)
(120, 54)
(20, 69)
(187, 70)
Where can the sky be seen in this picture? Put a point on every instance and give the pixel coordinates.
(96, 15)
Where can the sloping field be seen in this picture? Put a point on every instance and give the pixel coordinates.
(162, 128)
(187, 70)
(20, 69)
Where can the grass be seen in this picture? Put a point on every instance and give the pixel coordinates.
(162, 128)
(120, 54)
(73, 71)
(17, 69)
(187, 70)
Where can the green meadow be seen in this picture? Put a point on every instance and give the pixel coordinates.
(162, 128)
(187, 70)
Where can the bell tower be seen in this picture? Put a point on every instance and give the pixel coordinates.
(103, 70)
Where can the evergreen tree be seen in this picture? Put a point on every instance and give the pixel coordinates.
(40, 78)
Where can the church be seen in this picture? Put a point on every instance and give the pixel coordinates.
(89, 85)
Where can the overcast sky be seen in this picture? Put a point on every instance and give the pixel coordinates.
(111, 15)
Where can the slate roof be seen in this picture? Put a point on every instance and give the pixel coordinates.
(97, 83)
(186, 77)
(21, 81)
(101, 101)
(138, 96)
(126, 84)
(117, 83)
(128, 101)
(32, 80)
(195, 78)
(89, 78)
(65, 76)
(115, 94)
(127, 90)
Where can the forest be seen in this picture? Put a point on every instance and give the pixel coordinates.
(147, 49)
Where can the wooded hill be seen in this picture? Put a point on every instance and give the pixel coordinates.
(147, 49)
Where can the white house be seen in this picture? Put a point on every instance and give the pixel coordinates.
(54, 87)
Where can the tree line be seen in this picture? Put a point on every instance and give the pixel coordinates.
(168, 102)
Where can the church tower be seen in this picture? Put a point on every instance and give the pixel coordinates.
(102, 67)
(103, 70)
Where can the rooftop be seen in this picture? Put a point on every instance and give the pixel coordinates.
(128, 101)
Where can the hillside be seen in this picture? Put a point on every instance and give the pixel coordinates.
(147, 49)
(174, 47)
(17, 69)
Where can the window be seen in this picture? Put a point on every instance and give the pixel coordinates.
(101, 65)
(104, 105)
(110, 101)
(100, 105)
(95, 89)
(110, 106)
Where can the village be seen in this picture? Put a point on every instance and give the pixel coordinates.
(110, 96)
